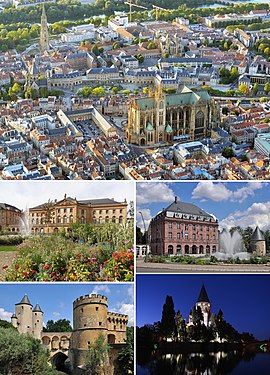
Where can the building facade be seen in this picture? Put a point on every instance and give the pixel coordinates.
(183, 229)
(90, 319)
(203, 303)
(10, 218)
(161, 117)
(54, 216)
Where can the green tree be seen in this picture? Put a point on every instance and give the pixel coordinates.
(61, 325)
(267, 88)
(243, 89)
(98, 91)
(168, 318)
(5, 324)
(97, 356)
(180, 325)
(126, 356)
(95, 50)
(255, 88)
(22, 355)
(228, 152)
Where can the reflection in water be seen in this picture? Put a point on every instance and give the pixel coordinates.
(220, 363)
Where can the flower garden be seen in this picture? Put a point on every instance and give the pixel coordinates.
(86, 253)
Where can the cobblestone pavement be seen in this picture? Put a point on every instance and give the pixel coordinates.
(193, 268)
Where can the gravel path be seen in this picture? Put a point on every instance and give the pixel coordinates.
(6, 258)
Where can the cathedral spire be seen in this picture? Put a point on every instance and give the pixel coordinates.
(203, 296)
(44, 32)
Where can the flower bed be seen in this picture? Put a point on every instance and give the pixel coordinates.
(55, 258)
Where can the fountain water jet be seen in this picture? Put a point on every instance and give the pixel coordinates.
(25, 224)
(231, 246)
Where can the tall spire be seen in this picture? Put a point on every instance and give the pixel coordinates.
(203, 297)
(44, 32)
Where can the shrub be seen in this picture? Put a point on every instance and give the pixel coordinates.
(55, 258)
(10, 240)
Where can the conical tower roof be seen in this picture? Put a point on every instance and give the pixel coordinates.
(37, 308)
(257, 235)
(203, 297)
(25, 301)
(14, 316)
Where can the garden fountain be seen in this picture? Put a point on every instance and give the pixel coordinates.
(25, 224)
(231, 246)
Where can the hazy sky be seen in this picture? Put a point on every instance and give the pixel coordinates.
(244, 299)
(56, 300)
(24, 194)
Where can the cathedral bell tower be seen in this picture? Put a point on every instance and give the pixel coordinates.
(44, 32)
(204, 303)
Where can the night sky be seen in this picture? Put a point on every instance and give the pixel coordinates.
(244, 299)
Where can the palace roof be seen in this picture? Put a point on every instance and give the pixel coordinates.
(186, 208)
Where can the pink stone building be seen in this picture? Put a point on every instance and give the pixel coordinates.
(182, 229)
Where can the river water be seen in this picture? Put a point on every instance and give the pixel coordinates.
(220, 363)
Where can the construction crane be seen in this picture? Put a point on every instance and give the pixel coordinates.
(157, 8)
(132, 5)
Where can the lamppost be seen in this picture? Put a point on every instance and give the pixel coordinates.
(146, 236)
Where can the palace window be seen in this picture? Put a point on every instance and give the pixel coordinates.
(170, 225)
(170, 235)
(178, 236)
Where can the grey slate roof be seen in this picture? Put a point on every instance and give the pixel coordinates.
(37, 308)
(203, 296)
(186, 208)
(257, 235)
(25, 301)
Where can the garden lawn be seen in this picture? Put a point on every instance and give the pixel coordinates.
(8, 248)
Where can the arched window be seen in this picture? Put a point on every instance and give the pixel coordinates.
(201, 249)
(178, 249)
(170, 249)
(186, 249)
(199, 123)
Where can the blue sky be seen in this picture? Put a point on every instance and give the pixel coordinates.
(56, 299)
(233, 203)
(244, 299)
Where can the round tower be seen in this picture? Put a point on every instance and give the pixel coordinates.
(37, 322)
(204, 303)
(90, 315)
(23, 312)
(14, 321)
(257, 243)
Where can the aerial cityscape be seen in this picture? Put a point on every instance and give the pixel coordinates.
(121, 90)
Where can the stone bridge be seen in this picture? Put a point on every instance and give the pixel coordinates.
(57, 343)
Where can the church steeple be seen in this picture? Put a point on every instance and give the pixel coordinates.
(44, 32)
(203, 296)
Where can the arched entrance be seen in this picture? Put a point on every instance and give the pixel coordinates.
(170, 249)
(61, 362)
(142, 142)
(194, 249)
(186, 249)
(111, 339)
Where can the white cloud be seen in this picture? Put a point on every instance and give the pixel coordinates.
(56, 314)
(5, 315)
(146, 215)
(154, 192)
(220, 192)
(24, 194)
(128, 309)
(103, 288)
(256, 214)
